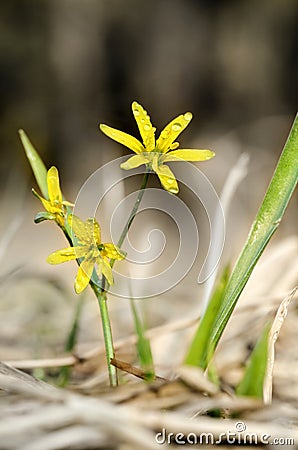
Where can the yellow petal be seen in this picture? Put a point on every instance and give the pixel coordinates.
(66, 203)
(93, 231)
(123, 138)
(167, 178)
(46, 203)
(188, 155)
(77, 227)
(61, 256)
(83, 276)
(54, 185)
(145, 126)
(106, 270)
(134, 161)
(172, 131)
(174, 145)
(81, 251)
(112, 251)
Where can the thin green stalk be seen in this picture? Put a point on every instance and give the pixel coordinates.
(143, 344)
(129, 221)
(70, 343)
(101, 293)
(107, 333)
(133, 211)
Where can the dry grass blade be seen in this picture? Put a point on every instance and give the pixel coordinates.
(195, 378)
(61, 409)
(273, 335)
(12, 379)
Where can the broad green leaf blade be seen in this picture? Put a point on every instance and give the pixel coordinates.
(37, 164)
(199, 350)
(268, 218)
(143, 345)
(279, 192)
(252, 382)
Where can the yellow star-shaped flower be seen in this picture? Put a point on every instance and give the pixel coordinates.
(92, 251)
(55, 205)
(155, 153)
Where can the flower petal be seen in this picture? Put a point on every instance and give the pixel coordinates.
(172, 131)
(188, 155)
(61, 256)
(123, 138)
(112, 251)
(77, 227)
(66, 203)
(106, 270)
(145, 126)
(84, 274)
(167, 178)
(93, 231)
(46, 204)
(134, 161)
(54, 190)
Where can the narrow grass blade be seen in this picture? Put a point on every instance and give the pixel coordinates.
(143, 345)
(71, 340)
(199, 350)
(268, 218)
(252, 382)
(37, 164)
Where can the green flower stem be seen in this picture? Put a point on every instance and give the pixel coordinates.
(101, 293)
(133, 211)
(107, 332)
(129, 220)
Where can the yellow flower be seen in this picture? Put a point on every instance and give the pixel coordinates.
(155, 153)
(55, 205)
(90, 248)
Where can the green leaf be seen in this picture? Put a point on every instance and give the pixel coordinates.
(252, 382)
(199, 350)
(143, 345)
(268, 218)
(71, 340)
(41, 216)
(37, 164)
